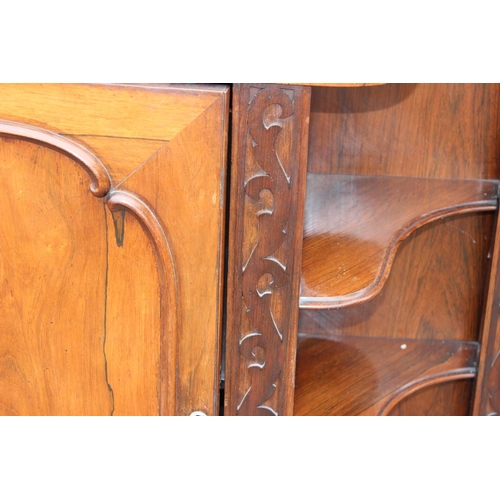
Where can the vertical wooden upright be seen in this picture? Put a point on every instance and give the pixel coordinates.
(269, 164)
(487, 395)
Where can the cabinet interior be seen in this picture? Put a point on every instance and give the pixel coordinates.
(400, 206)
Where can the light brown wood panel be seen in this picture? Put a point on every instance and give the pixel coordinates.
(370, 376)
(354, 225)
(185, 185)
(154, 254)
(432, 292)
(420, 130)
(52, 286)
(134, 112)
(120, 155)
(133, 320)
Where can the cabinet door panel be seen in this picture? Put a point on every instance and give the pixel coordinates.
(110, 297)
(53, 290)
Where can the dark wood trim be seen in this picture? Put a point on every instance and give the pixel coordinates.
(269, 163)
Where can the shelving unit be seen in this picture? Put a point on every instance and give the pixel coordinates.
(353, 382)
(372, 181)
(353, 226)
(363, 220)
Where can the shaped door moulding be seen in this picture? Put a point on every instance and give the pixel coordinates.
(101, 182)
(119, 200)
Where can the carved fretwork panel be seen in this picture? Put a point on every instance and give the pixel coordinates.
(268, 185)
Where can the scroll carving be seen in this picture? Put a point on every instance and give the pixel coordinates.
(101, 182)
(262, 348)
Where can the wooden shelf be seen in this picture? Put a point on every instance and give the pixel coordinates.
(369, 376)
(354, 224)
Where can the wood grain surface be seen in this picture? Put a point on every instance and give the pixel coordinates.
(440, 400)
(269, 150)
(121, 155)
(185, 184)
(353, 226)
(370, 376)
(97, 293)
(430, 292)
(133, 112)
(414, 130)
(53, 287)
(487, 390)
(437, 285)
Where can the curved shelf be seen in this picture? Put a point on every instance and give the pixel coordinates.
(341, 375)
(353, 226)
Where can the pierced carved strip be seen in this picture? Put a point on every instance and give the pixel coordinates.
(117, 201)
(270, 190)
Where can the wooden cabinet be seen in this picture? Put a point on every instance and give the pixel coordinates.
(362, 264)
(388, 268)
(111, 246)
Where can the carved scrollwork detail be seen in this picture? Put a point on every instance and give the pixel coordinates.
(101, 182)
(264, 273)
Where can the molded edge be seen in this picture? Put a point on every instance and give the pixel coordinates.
(101, 181)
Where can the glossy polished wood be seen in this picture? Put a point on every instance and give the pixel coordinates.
(435, 289)
(367, 376)
(417, 300)
(52, 335)
(441, 400)
(185, 184)
(354, 225)
(487, 390)
(101, 183)
(447, 131)
(107, 296)
(133, 112)
(269, 151)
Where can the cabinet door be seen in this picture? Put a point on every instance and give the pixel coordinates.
(112, 203)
